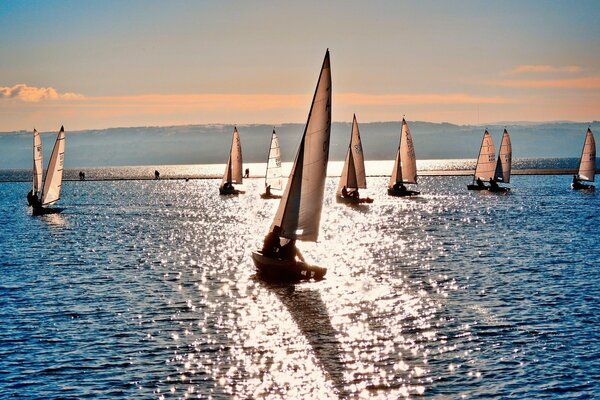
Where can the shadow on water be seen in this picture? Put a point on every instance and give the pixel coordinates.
(310, 315)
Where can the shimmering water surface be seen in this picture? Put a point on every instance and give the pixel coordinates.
(145, 289)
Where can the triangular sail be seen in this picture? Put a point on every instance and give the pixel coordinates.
(503, 165)
(53, 180)
(353, 174)
(37, 162)
(486, 163)
(273, 175)
(299, 212)
(233, 169)
(405, 166)
(587, 164)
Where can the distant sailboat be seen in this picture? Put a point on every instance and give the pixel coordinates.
(273, 179)
(353, 175)
(233, 169)
(299, 212)
(405, 166)
(486, 164)
(503, 165)
(587, 164)
(50, 190)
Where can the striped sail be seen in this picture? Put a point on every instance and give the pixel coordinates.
(233, 169)
(273, 175)
(405, 166)
(486, 163)
(37, 162)
(353, 174)
(503, 165)
(299, 212)
(587, 164)
(53, 180)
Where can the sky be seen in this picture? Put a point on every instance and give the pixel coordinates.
(102, 64)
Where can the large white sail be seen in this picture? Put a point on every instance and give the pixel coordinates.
(37, 162)
(273, 175)
(486, 163)
(587, 164)
(299, 212)
(53, 180)
(503, 165)
(405, 166)
(353, 174)
(233, 169)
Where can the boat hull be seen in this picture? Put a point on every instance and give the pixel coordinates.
(404, 193)
(499, 189)
(269, 196)
(230, 192)
(353, 200)
(583, 187)
(45, 210)
(285, 270)
(477, 187)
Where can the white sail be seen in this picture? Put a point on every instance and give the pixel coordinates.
(405, 166)
(353, 174)
(587, 164)
(233, 169)
(503, 165)
(273, 174)
(486, 163)
(299, 212)
(37, 162)
(53, 180)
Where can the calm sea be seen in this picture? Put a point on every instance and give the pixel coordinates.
(146, 289)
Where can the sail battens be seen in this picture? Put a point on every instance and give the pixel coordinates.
(299, 212)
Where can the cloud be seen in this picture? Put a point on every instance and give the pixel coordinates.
(589, 83)
(33, 94)
(525, 69)
(418, 99)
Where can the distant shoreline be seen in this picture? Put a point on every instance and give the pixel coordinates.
(529, 171)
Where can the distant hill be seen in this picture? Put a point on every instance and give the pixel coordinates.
(209, 144)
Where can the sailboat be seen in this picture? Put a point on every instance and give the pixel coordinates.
(587, 164)
(299, 213)
(48, 193)
(233, 169)
(353, 175)
(273, 179)
(405, 166)
(503, 165)
(486, 163)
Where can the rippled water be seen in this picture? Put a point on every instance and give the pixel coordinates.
(145, 289)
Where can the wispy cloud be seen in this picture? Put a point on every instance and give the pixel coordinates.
(33, 94)
(526, 69)
(590, 83)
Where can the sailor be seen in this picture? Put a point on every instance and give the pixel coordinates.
(247, 173)
(31, 198)
(480, 182)
(272, 243)
(399, 187)
(493, 184)
(577, 183)
(156, 174)
(289, 251)
(344, 192)
(228, 186)
(268, 190)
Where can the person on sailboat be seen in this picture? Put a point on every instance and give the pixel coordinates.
(577, 183)
(399, 187)
(268, 190)
(32, 199)
(156, 175)
(247, 173)
(480, 182)
(272, 243)
(344, 192)
(493, 184)
(290, 252)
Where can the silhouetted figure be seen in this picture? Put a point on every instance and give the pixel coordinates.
(480, 182)
(227, 186)
(156, 175)
(399, 187)
(493, 184)
(81, 176)
(31, 198)
(354, 194)
(289, 251)
(272, 242)
(344, 192)
(247, 173)
(268, 190)
(577, 183)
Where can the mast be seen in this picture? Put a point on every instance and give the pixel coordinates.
(299, 212)
(587, 163)
(53, 180)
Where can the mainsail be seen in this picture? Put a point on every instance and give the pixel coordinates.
(53, 180)
(299, 212)
(233, 169)
(405, 166)
(353, 174)
(486, 163)
(587, 165)
(273, 174)
(37, 162)
(503, 165)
